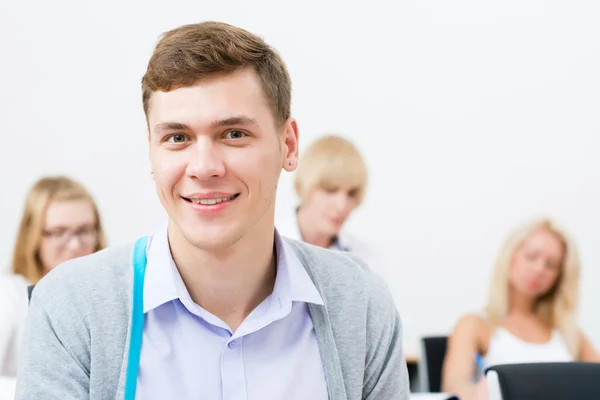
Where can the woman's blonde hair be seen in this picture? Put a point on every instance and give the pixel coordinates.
(329, 163)
(26, 260)
(558, 307)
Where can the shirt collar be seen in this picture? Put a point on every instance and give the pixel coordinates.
(292, 282)
(159, 281)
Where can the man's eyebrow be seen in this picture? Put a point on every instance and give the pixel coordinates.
(231, 121)
(171, 126)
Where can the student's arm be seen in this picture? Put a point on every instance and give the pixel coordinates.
(7, 327)
(386, 372)
(49, 369)
(459, 364)
(588, 352)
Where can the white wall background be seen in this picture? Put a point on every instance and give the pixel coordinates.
(472, 116)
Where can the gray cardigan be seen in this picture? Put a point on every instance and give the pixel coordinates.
(77, 337)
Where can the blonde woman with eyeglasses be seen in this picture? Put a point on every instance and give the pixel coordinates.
(60, 222)
(531, 312)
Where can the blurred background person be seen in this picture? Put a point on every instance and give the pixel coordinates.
(331, 181)
(60, 222)
(531, 312)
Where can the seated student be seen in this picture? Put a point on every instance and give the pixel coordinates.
(530, 315)
(60, 222)
(216, 304)
(331, 181)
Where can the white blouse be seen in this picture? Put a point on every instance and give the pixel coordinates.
(506, 348)
(13, 312)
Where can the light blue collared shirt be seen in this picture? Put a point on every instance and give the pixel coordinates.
(189, 353)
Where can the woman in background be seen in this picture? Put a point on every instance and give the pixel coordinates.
(530, 315)
(60, 222)
(330, 181)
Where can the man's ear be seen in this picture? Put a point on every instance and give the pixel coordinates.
(290, 145)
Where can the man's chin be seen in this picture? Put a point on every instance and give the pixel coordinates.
(213, 243)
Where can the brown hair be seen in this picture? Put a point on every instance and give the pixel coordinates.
(187, 54)
(25, 256)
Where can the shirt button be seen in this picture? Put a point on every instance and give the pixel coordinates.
(231, 344)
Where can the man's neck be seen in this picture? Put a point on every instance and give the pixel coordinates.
(229, 284)
(310, 235)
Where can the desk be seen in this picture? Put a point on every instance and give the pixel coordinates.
(7, 388)
(429, 396)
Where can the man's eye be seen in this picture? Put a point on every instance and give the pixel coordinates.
(178, 138)
(235, 134)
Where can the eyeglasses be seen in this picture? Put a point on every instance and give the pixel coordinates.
(87, 236)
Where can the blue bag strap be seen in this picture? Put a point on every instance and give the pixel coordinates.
(137, 317)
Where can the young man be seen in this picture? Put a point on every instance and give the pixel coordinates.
(217, 305)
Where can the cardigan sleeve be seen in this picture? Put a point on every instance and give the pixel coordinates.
(52, 366)
(386, 372)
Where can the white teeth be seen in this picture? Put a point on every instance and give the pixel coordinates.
(212, 201)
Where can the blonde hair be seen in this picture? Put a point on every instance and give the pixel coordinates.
(558, 307)
(328, 163)
(26, 261)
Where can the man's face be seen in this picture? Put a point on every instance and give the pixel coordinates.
(216, 154)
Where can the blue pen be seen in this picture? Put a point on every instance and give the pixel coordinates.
(480, 363)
